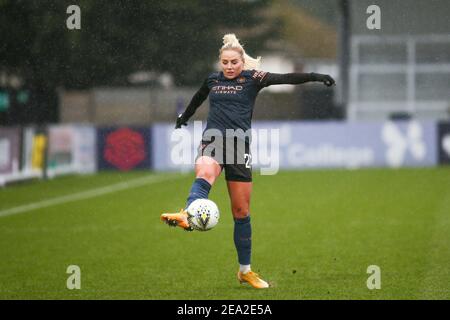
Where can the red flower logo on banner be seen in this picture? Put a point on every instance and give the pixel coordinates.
(124, 148)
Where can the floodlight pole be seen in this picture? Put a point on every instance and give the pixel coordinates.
(344, 37)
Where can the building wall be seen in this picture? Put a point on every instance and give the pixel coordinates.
(399, 17)
(143, 106)
(404, 67)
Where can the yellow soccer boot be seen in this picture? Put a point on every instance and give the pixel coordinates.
(253, 279)
(177, 219)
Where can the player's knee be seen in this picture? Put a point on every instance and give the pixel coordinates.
(207, 168)
(208, 174)
(240, 212)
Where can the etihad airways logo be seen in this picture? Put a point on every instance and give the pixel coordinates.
(227, 89)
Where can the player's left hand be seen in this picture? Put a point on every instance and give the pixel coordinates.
(327, 80)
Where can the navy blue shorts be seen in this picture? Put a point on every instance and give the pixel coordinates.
(232, 154)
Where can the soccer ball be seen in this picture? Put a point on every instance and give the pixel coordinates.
(203, 214)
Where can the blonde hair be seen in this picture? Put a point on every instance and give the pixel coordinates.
(230, 42)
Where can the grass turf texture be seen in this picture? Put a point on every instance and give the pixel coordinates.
(314, 235)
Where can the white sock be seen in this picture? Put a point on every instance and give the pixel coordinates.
(244, 268)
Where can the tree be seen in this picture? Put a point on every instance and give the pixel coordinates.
(120, 37)
(116, 38)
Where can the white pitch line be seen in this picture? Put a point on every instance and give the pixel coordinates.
(87, 194)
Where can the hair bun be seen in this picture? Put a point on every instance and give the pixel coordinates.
(230, 38)
(231, 42)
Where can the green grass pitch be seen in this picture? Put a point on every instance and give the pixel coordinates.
(314, 235)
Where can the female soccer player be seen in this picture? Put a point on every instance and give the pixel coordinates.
(232, 93)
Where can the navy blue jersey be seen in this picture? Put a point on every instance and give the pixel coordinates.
(231, 101)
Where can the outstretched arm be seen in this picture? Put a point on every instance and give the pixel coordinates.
(196, 102)
(295, 78)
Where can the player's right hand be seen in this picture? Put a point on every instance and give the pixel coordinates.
(180, 121)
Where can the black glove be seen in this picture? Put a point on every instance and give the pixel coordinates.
(326, 79)
(181, 121)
